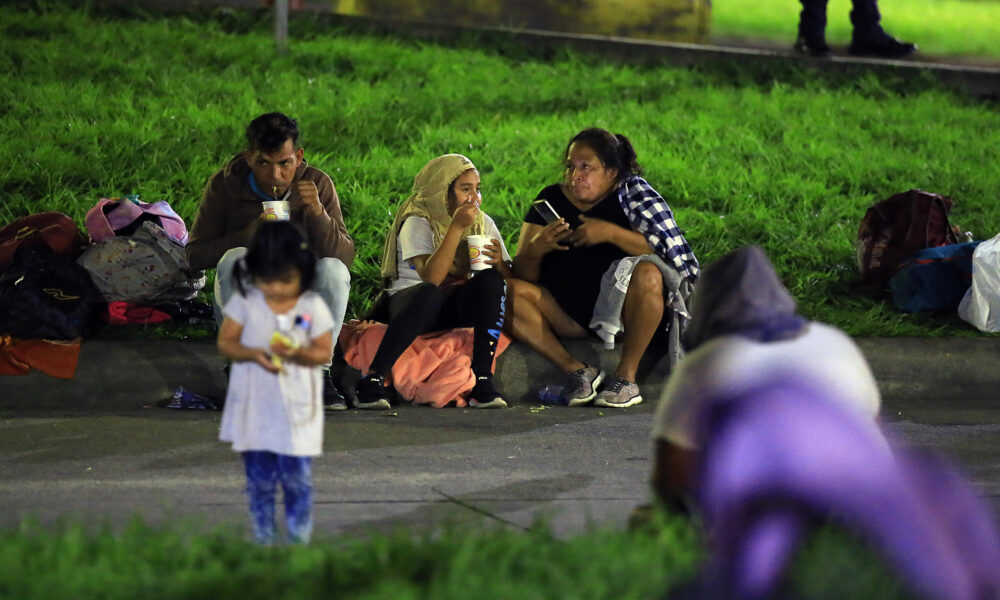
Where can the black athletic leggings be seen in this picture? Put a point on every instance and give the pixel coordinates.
(478, 303)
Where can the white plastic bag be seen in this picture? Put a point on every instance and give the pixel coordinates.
(981, 304)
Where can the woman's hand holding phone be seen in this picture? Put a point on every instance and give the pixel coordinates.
(549, 237)
(556, 232)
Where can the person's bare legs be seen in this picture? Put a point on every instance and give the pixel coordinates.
(642, 314)
(536, 319)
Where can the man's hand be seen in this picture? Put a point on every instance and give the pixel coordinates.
(306, 196)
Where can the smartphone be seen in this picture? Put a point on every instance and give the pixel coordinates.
(545, 209)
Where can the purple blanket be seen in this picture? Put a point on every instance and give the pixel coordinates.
(778, 458)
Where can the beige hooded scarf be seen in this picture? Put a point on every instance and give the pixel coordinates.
(429, 199)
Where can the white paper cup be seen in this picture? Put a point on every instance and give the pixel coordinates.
(276, 210)
(477, 260)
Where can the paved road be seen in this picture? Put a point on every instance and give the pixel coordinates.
(415, 466)
(412, 466)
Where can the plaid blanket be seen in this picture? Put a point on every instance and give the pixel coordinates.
(650, 215)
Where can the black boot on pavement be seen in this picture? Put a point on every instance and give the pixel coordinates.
(815, 48)
(881, 45)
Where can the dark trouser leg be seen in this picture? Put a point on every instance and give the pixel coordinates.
(480, 303)
(412, 311)
(865, 19)
(812, 20)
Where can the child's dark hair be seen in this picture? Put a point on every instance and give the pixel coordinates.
(269, 132)
(613, 149)
(276, 248)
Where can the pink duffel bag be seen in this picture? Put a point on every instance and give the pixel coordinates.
(112, 217)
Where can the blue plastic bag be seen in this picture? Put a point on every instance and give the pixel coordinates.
(185, 399)
(934, 279)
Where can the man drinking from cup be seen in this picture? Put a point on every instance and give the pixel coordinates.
(271, 180)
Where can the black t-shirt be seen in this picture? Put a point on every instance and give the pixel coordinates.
(573, 276)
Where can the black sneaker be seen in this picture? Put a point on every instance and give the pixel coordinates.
(485, 395)
(813, 48)
(370, 393)
(881, 45)
(333, 399)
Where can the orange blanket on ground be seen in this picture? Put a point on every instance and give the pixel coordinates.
(435, 369)
(54, 358)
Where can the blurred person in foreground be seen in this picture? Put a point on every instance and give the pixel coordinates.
(273, 168)
(770, 426)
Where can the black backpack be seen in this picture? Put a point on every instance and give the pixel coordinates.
(46, 296)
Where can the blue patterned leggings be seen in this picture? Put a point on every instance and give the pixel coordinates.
(264, 470)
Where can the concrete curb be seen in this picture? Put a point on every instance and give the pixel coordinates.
(974, 80)
(133, 374)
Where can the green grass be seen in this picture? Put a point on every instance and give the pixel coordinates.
(942, 28)
(72, 561)
(97, 104)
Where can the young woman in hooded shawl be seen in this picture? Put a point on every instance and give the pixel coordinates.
(425, 264)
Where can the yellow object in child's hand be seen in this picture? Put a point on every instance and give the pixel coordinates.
(279, 338)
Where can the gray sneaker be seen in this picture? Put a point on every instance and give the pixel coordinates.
(618, 393)
(581, 387)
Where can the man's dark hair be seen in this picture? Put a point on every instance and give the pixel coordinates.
(268, 133)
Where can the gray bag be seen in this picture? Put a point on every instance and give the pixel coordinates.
(147, 267)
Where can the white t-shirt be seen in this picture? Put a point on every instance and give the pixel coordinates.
(727, 365)
(417, 239)
(280, 413)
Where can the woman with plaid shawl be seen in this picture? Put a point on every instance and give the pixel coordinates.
(606, 212)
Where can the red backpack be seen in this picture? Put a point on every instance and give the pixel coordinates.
(895, 228)
(52, 229)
